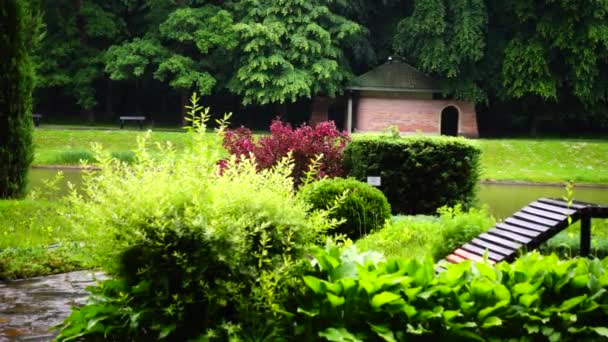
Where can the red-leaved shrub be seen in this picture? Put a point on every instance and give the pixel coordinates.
(304, 142)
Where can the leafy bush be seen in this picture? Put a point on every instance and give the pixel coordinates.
(305, 144)
(193, 253)
(567, 243)
(363, 207)
(357, 297)
(428, 236)
(418, 174)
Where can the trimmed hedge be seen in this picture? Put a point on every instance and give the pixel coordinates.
(364, 207)
(360, 297)
(419, 174)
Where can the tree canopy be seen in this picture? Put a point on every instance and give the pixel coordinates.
(541, 56)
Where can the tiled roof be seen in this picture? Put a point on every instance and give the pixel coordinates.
(394, 75)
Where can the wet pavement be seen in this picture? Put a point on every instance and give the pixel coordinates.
(29, 307)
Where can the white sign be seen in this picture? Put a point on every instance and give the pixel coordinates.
(373, 180)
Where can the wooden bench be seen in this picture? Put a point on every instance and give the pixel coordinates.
(138, 119)
(527, 229)
(36, 118)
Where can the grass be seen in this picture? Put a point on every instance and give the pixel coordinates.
(545, 160)
(68, 147)
(534, 160)
(35, 239)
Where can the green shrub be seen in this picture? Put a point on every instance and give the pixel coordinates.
(356, 297)
(193, 252)
(363, 207)
(567, 243)
(418, 174)
(428, 236)
(16, 86)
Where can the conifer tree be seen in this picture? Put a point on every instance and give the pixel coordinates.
(16, 85)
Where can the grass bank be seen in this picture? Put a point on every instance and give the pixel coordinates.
(35, 239)
(533, 160)
(545, 160)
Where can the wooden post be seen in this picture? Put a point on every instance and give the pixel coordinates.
(585, 235)
(349, 113)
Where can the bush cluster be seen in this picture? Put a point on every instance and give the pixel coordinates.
(421, 236)
(362, 207)
(418, 174)
(356, 297)
(305, 144)
(193, 253)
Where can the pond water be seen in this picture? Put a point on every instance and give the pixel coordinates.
(502, 199)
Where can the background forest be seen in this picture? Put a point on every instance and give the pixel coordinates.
(532, 66)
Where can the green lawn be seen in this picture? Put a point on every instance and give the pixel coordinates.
(27, 229)
(535, 160)
(545, 160)
(66, 147)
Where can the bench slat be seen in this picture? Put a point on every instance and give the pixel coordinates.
(561, 203)
(528, 225)
(455, 259)
(481, 251)
(500, 240)
(518, 230)
(508, 235)
(535, 219)
(545, 214)
(471, 256)
(553, 208)
(492, 247)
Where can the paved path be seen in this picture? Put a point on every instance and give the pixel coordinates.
(28, 308)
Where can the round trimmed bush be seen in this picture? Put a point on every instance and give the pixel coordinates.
(364, 207)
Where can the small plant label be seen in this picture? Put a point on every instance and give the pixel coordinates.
(374, 180)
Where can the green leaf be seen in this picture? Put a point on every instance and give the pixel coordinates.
(339, 335)
(313, 283)
(166, 331)
(335, 300)
(383, 298)
(572, 302)
(528, 299)
(384, 332)
(602, 331)
(492, 321)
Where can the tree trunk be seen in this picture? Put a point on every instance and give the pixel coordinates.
(138, 110)
(87, 114)
(183, 101)
(281, 110)
(109, 115)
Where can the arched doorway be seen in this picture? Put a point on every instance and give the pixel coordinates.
(449, 121)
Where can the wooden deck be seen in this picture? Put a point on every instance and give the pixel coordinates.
(526, 229)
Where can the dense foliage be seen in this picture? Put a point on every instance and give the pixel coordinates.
(545, 60)
(17, 27)
(322, 144)
(521, 64)
(361, 297)
(193, 252)
(362, 207)
(427, 236)
(418, 174)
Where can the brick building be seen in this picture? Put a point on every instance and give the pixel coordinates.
(397, 94)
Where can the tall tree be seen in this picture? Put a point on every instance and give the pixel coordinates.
(70, 57)
(17, 36)
(447, 38)
(187, 46)
(290, 49)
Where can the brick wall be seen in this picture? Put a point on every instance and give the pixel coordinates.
(411, 115)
